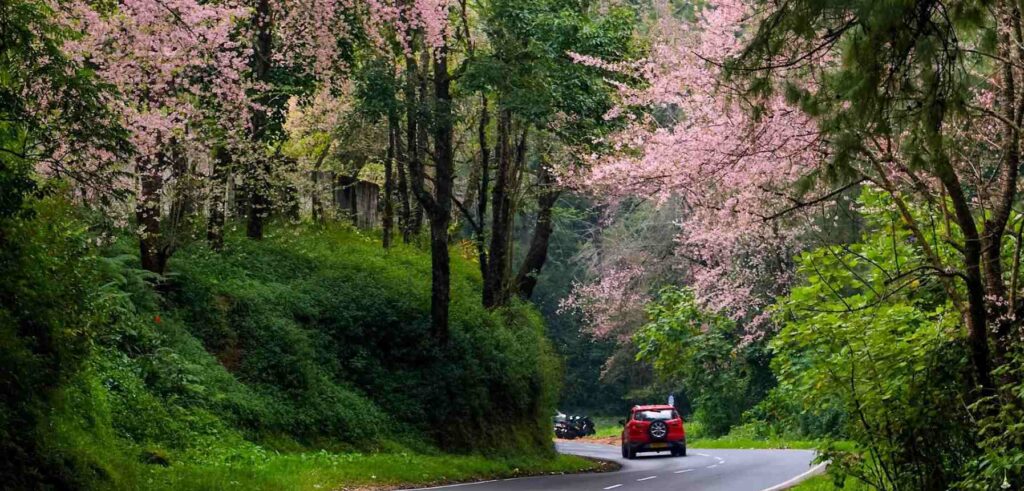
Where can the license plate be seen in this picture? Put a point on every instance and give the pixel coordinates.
(658, 445)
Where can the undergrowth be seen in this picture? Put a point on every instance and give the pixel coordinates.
(299, 361)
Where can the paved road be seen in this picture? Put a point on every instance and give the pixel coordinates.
(700, 470)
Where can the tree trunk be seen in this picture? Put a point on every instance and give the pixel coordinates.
(485, 177)
(218, 185)
(976, 316)
(444, 174)
(421, 135)
(402, 163)
(995, 225)
(316, 204)
(412, 147)
(440, 277)
(147, 213)
(439, 205)
(388, 219)
(499, 257)
(537, 254)
(501, 227)
(258, 187)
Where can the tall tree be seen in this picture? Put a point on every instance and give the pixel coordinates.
(526, 67)
(423, 29)
(175, 67)
(906, 108)
(537, 253)
(439, 206)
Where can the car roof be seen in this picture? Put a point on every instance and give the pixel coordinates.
(653, 407)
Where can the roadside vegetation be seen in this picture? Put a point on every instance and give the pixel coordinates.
(295, 362)
(843, 180)
(826, 483)
(609, 431)
(285, 244)
(284, 241)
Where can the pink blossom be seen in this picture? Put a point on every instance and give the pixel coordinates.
(697, 142)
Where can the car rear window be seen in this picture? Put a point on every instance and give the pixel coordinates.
(655, 415)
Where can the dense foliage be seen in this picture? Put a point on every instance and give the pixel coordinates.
(698, 349)
(804, 216)
(896, 319)
(309, 339)
(868, 335)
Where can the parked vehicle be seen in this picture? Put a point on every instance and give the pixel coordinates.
(571, 427)
(655, 428)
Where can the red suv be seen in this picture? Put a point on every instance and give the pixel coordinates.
(653, 429)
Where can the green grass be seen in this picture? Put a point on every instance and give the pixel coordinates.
(322, 470)
(825, 483)
(607, 426)
(303, 361)
(744, 437)
(749, 443)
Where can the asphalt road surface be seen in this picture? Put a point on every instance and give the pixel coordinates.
(700, 470)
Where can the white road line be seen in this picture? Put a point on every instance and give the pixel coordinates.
(613, 487)
(682, 471)
(721, 461)
(459, 485)
(646, 478)
(711, 466)
(786, 485)
(703, 455)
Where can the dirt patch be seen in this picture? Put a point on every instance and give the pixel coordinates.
(604, 440)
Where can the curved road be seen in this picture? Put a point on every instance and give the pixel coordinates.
(700, 470)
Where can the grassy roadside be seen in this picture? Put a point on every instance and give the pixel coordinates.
(606, 426)
(330, 471)
(750, 443)
(824, 483)
(608, 430)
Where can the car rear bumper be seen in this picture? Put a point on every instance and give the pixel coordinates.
(658, 446)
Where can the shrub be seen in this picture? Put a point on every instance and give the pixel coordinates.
(56, 295)
(333, 331)
(314, 338)
(722, 376)
(885, 350)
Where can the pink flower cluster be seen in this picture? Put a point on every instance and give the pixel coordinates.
(310, 33)
(696, 141)
(173, 63)
(608, 304)
(405, 19)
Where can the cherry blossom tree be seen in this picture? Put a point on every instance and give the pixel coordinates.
(729, 160)
(176, 65)
(56, 116)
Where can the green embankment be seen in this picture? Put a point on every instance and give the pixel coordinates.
(825, 482)
(300, 362)
(741, 437)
